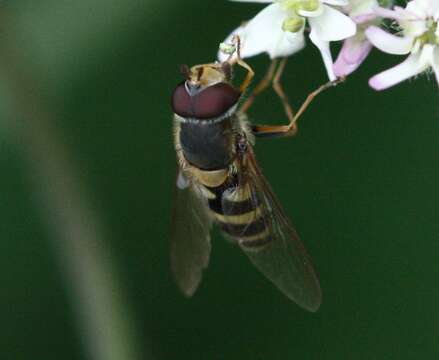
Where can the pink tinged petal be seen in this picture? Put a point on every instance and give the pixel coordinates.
(332, 25)
(407, 69)
(351, 55)
(264, 33)
(323, 47)
(355, 50)
(389, 43)
(386, 13)
(360, 19)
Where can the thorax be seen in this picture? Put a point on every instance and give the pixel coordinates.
(206, 145)
(208, 154)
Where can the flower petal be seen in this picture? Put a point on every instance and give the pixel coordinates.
(412, 19)
(323, 47)
(431, 7)
(264, 33)
(386, 13)
(426, 4)
(427, 54)
(408, 68)
(287, 44)
(314, 13)
(254, 1)
(336, 2)
(352, 54)
(332, 25)
(422, 8)
(361, 19)
(361, 8)
(355, 50)
(389, 43)
(435, 63)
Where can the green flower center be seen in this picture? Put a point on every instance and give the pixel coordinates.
(294, 22)
(296, 5)
(430, 36)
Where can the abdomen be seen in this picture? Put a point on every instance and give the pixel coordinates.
(238, 213)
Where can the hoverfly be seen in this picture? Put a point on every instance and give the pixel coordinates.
(219, 182)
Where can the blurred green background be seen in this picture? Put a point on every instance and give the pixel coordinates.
(87, 176)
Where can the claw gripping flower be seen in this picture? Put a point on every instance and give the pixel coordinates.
(278, 29)
(419, 37)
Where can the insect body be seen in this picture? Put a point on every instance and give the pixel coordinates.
(219, 182)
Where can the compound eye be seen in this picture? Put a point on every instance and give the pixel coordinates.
(181, 101)
(211, 102)
(215, 101)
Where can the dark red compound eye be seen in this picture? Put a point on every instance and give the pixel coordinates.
(181, 101)
(209, 103)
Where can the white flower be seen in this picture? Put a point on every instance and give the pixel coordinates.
(278, 29)
(419, 37)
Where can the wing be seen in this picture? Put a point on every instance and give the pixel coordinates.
(269, 239)
(190, 237)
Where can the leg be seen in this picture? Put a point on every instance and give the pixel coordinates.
(311, 97)
(280, 91)
(291, 128)
(262, 85)
(271, 131)
(232, 59)
(273, 76)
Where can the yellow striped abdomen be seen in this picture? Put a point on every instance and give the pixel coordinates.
(236, 210)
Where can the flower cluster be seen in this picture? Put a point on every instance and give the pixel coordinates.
(281, 27)
(418, 37)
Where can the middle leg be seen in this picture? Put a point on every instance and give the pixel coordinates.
(260, 87)
(277, 86)
(291, 128)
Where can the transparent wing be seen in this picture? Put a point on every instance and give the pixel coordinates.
(190, 237)
(275, 248)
